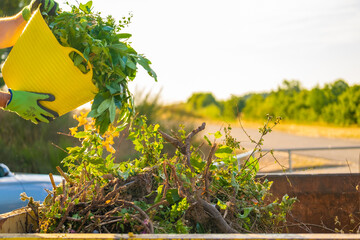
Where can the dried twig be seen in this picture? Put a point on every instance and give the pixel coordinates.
(206, 171)
(181, 189)
(83, 189)
(63, 219)
(162, 202)
(64, 175)
(218, 220)
(142, 213)
(52, 181)
(144, 224)
(184, 148)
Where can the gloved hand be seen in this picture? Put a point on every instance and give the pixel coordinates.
(27, 105)
(48, 6)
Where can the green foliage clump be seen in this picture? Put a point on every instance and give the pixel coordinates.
(206, 105)
(336, 103)
(187, 192)
(114, 61)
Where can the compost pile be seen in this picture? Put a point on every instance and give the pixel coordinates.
(188, 192)
(106, 47)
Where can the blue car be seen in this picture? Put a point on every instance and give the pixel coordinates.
(13, 184)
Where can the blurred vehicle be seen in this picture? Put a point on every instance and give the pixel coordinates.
(13, 184)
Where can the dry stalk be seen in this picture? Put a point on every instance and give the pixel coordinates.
(180, 185)
(206, 174)
(162, 202)
(166, 181)
(83, 189)
(184, 148)
(52, 181)
(142, 213)
(64, 175)
(218, 220)
(63, 219)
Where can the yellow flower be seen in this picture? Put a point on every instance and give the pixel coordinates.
(81, 119)
(89, 126)
(73, 130)
(115, 134)
(110, 149)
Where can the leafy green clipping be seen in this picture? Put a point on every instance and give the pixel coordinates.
(86, 8)
(207, 140)
(104, 105)
(172, 196)
(252, 165)
(114, 61)
(217, 134)
(112, 110)
(223, 152)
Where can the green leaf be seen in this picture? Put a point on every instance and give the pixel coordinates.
(123, 35)
(118, 71)
(99, 98)
(246, 213)
(115, 87)
(131, 64)
(96, 49)
(93, 113)
(76, 216)
(197, 164)
(172, 196)
(86, 8)
(112, 110)
(145, 63)
(96, 160)
(78, 59)
(217, 135)
(82, 68)
(80, 134)
(208, 140)
(223, 152)
(119, 47)
(104, 105)
(159, 194)
(107, 28)
(253, 165)
(103, 121)
(86, 53)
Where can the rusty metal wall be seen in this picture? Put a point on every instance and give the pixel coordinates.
(321, 199)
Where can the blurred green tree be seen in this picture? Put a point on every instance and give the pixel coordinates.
(201, 100)
(232, 107)
(317, 100)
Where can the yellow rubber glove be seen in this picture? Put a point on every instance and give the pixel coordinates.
(48, 6)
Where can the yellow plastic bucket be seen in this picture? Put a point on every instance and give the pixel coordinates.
(38, 63)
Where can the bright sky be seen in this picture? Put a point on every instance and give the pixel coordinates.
(235, 47)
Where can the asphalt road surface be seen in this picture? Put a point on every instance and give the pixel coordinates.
(277, 139)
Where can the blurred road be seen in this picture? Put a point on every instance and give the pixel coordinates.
(277, 139)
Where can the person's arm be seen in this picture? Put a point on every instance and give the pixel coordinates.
(25, 104)
(12, 27)
(10, 30)
(4, 99)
